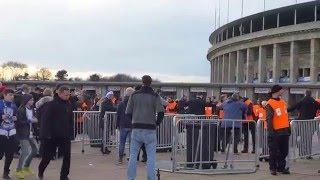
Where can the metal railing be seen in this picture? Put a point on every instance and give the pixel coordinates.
(197, 147)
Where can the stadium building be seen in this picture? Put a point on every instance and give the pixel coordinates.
(276, 46)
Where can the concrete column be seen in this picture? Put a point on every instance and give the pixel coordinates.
(216, 70)
(212, 71)
(294, 69)
(225, 66)
(240, 67)
(220, 68)
(314, 60)
(231, 67)
(262, 72)
(276, 63)
(250, 65)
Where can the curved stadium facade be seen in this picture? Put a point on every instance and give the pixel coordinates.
(276, 46)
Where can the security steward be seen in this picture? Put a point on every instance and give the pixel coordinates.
(278, 131)
(249, 125)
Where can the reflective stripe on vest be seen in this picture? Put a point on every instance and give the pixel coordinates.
(280, 114)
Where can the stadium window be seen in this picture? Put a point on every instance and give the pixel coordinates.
(286, 18)
(305, 14)
(270, 21)
(257, 24)
(306, 72)
(284, 73)
(300, 72)
(318, 13)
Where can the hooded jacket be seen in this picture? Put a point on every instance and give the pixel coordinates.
(232, 110)
(123, 120)
(41, 108)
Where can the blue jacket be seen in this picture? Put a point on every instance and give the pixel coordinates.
(123, 120)
(232, 110)
(9, 109)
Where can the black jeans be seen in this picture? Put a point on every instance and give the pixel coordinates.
(227, 138)
(7, 148)
(246, 127)
(278, 149)
(49, 150)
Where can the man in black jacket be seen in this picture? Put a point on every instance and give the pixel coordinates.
(56, 131)
(183, 105)
(197, 106)
(107, 106)
(307, 108)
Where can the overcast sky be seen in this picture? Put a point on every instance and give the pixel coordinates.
(165, 38)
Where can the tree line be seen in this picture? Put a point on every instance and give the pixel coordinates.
(16, 71)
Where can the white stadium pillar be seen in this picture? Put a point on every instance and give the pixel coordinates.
(250, 65)
(262, 64)
(276, 63)
(314, 60)
(294, 69)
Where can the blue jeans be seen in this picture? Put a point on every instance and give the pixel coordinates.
(124, 133)
(149, 138)
(29, 148)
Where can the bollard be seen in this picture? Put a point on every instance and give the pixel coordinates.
(158, 174)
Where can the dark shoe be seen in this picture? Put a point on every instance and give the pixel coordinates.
(284, 171)
(273, 172)
(144, 160)
(253, 152)
(40, 176)
(6, 176)
(244, 151)
(309, 157)
(106, 151)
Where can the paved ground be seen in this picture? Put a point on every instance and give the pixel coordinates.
(92, 165)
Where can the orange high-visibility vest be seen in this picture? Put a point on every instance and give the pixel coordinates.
(262, 114)
(208, 111)
(248, 102)
(318, 112)
(280, 114)
(256, 109)
(171, 108)
(220, 112)
(114, 100)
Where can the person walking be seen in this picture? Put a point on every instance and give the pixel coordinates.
(278, 131)
(8, 145)
(249, 125)
(143, 106)
(233, 110)
(106, 106)
(124, 123)
(57, 131)
(25, 135)
(308, 108)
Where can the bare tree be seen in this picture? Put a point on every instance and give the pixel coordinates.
(95, 77)
(44, 74)
(16, 70)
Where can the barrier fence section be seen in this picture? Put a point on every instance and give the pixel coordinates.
(305, 138)
(205, 145)
(87, 129)
(304, 141)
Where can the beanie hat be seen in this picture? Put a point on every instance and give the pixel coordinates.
(129, 91)
(108, 95)
(25, 99)
(275, 89)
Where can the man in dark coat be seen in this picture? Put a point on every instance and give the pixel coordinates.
(307, 108)
(197, 106)
(57, 131)
(183, 105)
(106, 106)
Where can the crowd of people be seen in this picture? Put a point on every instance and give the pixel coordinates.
(39, 122)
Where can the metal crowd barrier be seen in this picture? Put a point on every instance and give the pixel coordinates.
(87, 129)
(196, 146)
(305, 138)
